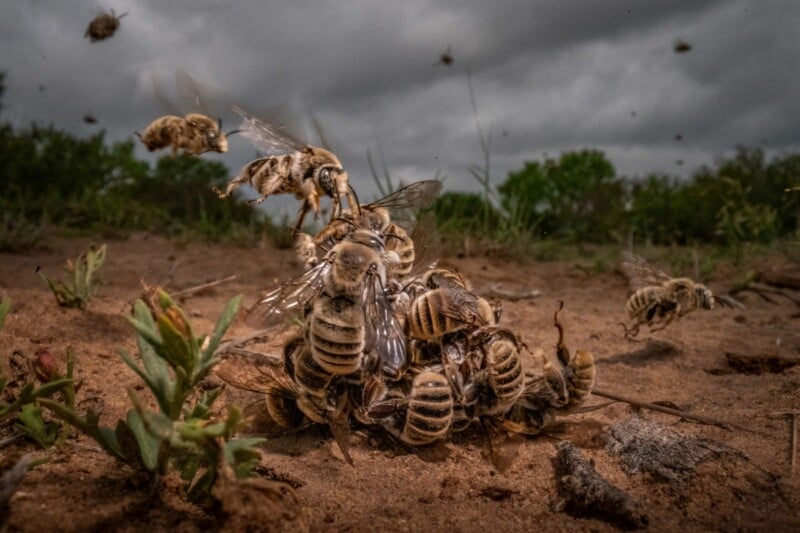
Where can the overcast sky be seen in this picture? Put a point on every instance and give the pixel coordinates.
(548, 76)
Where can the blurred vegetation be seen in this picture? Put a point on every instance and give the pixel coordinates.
(52, 177)
(81, 283)
(577, 198)
(741, 202)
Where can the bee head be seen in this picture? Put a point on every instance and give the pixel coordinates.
(704, 296)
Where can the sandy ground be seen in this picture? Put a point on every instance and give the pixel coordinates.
(452, 487)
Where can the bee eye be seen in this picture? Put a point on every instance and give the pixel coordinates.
(325, 174)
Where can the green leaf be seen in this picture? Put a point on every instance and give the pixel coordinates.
(202, 487)
(161, 391)
(241, 456)
(175, 348)
(154, 365)
(148, 444)
(105, 437)
(220, 328)
(5, 307)
(33, 425)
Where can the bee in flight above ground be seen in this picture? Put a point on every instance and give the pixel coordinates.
(306, 171)
(195, 133)
(659, 298)
(103, 26)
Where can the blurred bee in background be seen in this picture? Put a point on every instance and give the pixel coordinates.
(88, 118)
(103, 26)
(658, 298)
(195, 133)
(308, 172)
(446, 58)
(349, 321)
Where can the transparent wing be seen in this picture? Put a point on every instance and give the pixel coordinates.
(290, 299)
(427, 244)
(403, 203)
(189, 92)
(462, 307)
(384, 334)
(264, 136)
(639, 272)
(254, 375)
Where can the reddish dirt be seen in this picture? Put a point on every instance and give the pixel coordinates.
(452, 487)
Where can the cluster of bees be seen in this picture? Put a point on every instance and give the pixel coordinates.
(385, 338)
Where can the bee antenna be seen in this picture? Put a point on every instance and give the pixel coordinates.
(232, 132)
(119, 17)
(355, 196)
(219, 123)
(138, 134)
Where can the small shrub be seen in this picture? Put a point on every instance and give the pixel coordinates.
(79, 290)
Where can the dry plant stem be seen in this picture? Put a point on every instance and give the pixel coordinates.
(496, 291)
(9, 440)
(197, 288)
(762, 290)
(675, 412)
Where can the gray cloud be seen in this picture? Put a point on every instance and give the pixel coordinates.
(548, 76)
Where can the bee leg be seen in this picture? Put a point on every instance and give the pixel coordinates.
(631, 331)
(669, 318)
(302, 215)
(256, 201)
(233, 184)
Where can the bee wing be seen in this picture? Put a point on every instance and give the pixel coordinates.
(462, 306)
(640, 273)
(247, 373)
(264, 136)
(427, 245)
(189, 92)
(290, 299)
(402, 203)
(383, 331)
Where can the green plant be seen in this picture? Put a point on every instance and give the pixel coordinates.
(5, 308)
(20, 396)
(78, 291)
(183, 432)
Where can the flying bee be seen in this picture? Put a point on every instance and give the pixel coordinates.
(308, 172)
(345, 306)
(438, 312)
(194, 134)
(658, 298)
(420, 416)
(103, 26)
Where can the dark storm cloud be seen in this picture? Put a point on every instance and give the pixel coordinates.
(548, 76)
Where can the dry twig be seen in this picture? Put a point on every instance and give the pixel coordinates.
(198, 288)
(667, 410)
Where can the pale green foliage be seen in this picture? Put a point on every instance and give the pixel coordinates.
(182, 432)
(78, 290)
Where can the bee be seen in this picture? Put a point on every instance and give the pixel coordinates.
(89, 119)
(438, 312)
(560, 389)
(291, 405)
(681, 46)
(420, 416)
(501, 368)
(103, 26)
(658, 298)
(402, 204)
(392, 217)
(194, 133)
(345, 307)
(308, 172)
(446, 58)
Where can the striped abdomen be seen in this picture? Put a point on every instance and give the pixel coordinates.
(441, 311)
(579, 384)
(430, 409)
(505, 371)
(642, 299)
(336, 334)
(398, 241)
